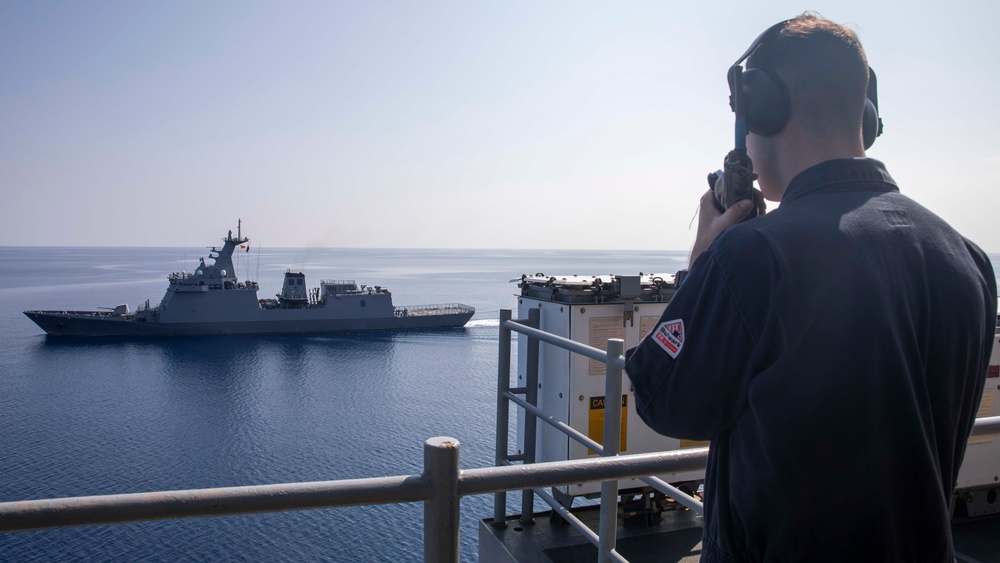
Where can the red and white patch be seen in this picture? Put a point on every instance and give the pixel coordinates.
(670, 337)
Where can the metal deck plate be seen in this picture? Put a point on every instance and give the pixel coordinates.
(677, 538)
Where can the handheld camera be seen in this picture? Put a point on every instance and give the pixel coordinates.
(734, 182)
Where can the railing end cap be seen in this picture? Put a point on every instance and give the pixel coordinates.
(443, 442)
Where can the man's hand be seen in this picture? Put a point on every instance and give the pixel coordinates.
(711, 221)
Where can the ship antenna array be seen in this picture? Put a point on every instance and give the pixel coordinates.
(248, 261)
(257, 275)
(239, 261)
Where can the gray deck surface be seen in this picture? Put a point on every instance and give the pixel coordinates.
(676, 538)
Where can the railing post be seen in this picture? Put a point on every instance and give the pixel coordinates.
(611, 446)
(530, 421)
(503, 415)
(442, 508)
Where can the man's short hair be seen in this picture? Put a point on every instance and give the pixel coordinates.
(825, 69)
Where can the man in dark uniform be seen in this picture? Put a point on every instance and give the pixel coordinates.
(834, 350)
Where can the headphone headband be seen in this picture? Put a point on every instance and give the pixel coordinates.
(774, 29)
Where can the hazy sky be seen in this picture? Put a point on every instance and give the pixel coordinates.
(441, 124)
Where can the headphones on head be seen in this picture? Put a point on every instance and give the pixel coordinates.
(761, 103)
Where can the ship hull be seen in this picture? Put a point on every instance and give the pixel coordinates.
(91, 324)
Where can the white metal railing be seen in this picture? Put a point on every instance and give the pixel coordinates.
(439, 309)
(439, 486)
(614, 363)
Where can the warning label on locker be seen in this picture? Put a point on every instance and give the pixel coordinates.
(595, 422)
(986, 406)
(601, 330)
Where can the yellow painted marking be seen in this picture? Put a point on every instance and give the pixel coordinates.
(595, 422)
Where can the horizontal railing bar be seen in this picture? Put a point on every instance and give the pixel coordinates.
(553, 421)
(130, 507)
(555, 473)
(986, 426)
(565, 343)
(108, 509)
(518, 390)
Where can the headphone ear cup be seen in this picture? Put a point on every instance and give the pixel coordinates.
(869, 124)
(766, 102)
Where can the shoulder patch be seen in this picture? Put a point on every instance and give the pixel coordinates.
(670, 337)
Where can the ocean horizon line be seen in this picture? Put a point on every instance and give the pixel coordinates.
(394, 248)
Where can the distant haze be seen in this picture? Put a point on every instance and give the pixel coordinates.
(585, 125)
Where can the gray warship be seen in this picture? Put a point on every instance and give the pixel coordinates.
(212, 301)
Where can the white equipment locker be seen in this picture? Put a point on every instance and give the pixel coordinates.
(591, 310)
(978, 483)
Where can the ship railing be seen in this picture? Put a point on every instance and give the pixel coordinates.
(77, 313)
(439, 309)
(526, 398)
(440, 487)
(337, 282)
(442, 483)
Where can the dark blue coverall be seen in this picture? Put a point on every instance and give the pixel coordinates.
(834, 351)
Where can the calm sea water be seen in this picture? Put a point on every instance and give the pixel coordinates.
(105, 416)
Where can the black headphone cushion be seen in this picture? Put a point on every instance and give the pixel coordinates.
(870, 126)
(766, 103)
